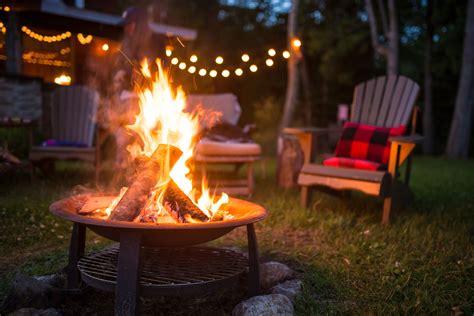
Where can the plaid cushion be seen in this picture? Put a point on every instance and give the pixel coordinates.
(353, 163)
(367, 142)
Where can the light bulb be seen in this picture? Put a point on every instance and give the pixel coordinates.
(271, 52)
(193, 58)
(225, 73)
(219, 60)
(213, 73)
(286, 54)
(245, 58)
(239, 72)
(202, 72)
(253, 68)
(269, 62)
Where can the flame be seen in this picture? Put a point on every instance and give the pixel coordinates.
(162, 119)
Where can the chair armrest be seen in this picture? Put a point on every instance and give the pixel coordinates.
(408, 139)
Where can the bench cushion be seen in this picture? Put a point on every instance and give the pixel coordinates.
(366, 142)
(353, 163)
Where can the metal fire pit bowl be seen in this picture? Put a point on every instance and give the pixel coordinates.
(179, 234)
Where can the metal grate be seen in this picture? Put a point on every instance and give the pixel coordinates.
(167, 268)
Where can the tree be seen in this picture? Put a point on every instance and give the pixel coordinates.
(459, 134)
(428, 128)
(292, 81)
(385, 44)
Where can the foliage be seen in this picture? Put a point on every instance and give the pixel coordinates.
(267, 114)
(422, 263)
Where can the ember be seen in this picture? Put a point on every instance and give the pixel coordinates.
(161, 189)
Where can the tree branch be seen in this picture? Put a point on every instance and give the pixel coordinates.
(378, 47)
(383, 17)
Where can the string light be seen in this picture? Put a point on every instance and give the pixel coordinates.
(269, 62)
(296, 42)
(193, 58)
(253, 68)
(245, 58)
(105, 47)
(5, 8)
(239, 72)
(192, 69)
(225, 73)
(45, 38)
(182, 65)
(271, 52)
(84, 39)
(63, 80)
(174, 61)
(219, 60)
(169, 51)
(202, 72)
(286, 54)
(213, 73)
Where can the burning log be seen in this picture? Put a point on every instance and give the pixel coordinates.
(143, 182)
(180, 206)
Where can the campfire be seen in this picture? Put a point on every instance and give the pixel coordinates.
(160, 189)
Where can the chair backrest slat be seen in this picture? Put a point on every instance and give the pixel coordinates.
(73, 114)
(225, 103)
(384, 101)
(368, 97)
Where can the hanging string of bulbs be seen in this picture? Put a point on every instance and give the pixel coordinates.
(238, 71)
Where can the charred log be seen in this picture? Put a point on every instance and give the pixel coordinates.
(143, 182)
(180, 206)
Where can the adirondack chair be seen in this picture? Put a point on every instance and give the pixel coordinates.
(213, 153)
(384, 102)
(73, 113)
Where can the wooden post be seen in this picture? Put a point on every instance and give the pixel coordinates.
(290, 160)
(13, 44)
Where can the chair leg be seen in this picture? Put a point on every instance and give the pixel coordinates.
(387, 207)
(305, 196)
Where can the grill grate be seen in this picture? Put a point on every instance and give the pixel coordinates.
(163, 269)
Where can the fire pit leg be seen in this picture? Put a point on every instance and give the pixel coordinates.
(254, 265)
(76, 252)
(127, 292)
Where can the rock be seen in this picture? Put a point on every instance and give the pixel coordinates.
(265, 305)
(238, 250)
(56, 280)
(272, 273)
(289, 288)
(35, 312)
(30, 292)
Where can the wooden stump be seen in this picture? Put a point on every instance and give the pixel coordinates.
(290, 160)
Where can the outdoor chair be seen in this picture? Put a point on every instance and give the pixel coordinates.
(217, 152)
(73, 113)
(381, 108)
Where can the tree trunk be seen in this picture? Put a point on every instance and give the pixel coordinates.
(428, 106)
(292, 81)
(459, 134)
(13, 45)
(306, 84)
(392, 39)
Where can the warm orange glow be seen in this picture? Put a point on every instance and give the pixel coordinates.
(169, 51)
(105, 47)
(182, 65)
(296, 42)
(63, 80)
(6, 8)
(163, 120)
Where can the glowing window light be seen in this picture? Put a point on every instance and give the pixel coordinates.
(296, 43)
(245, 58)
(213, 73)
(202, 72)
(253, 68)
(192, 69)
(269, 62)
(239, 72)
(174, 61)
(105, 47)
(225, 73)
(182, 65)
(219, 60)
(271, 52)
(286, 54)
(193, 58)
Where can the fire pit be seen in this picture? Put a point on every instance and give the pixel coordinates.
(159, 218)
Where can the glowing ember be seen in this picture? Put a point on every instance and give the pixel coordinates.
(163, 120)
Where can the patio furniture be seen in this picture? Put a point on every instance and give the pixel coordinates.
(383, 102)
(73, 113)
(210, 153)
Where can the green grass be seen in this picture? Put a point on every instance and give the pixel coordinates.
(422, 263)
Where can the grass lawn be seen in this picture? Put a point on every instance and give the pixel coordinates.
(422, 263)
